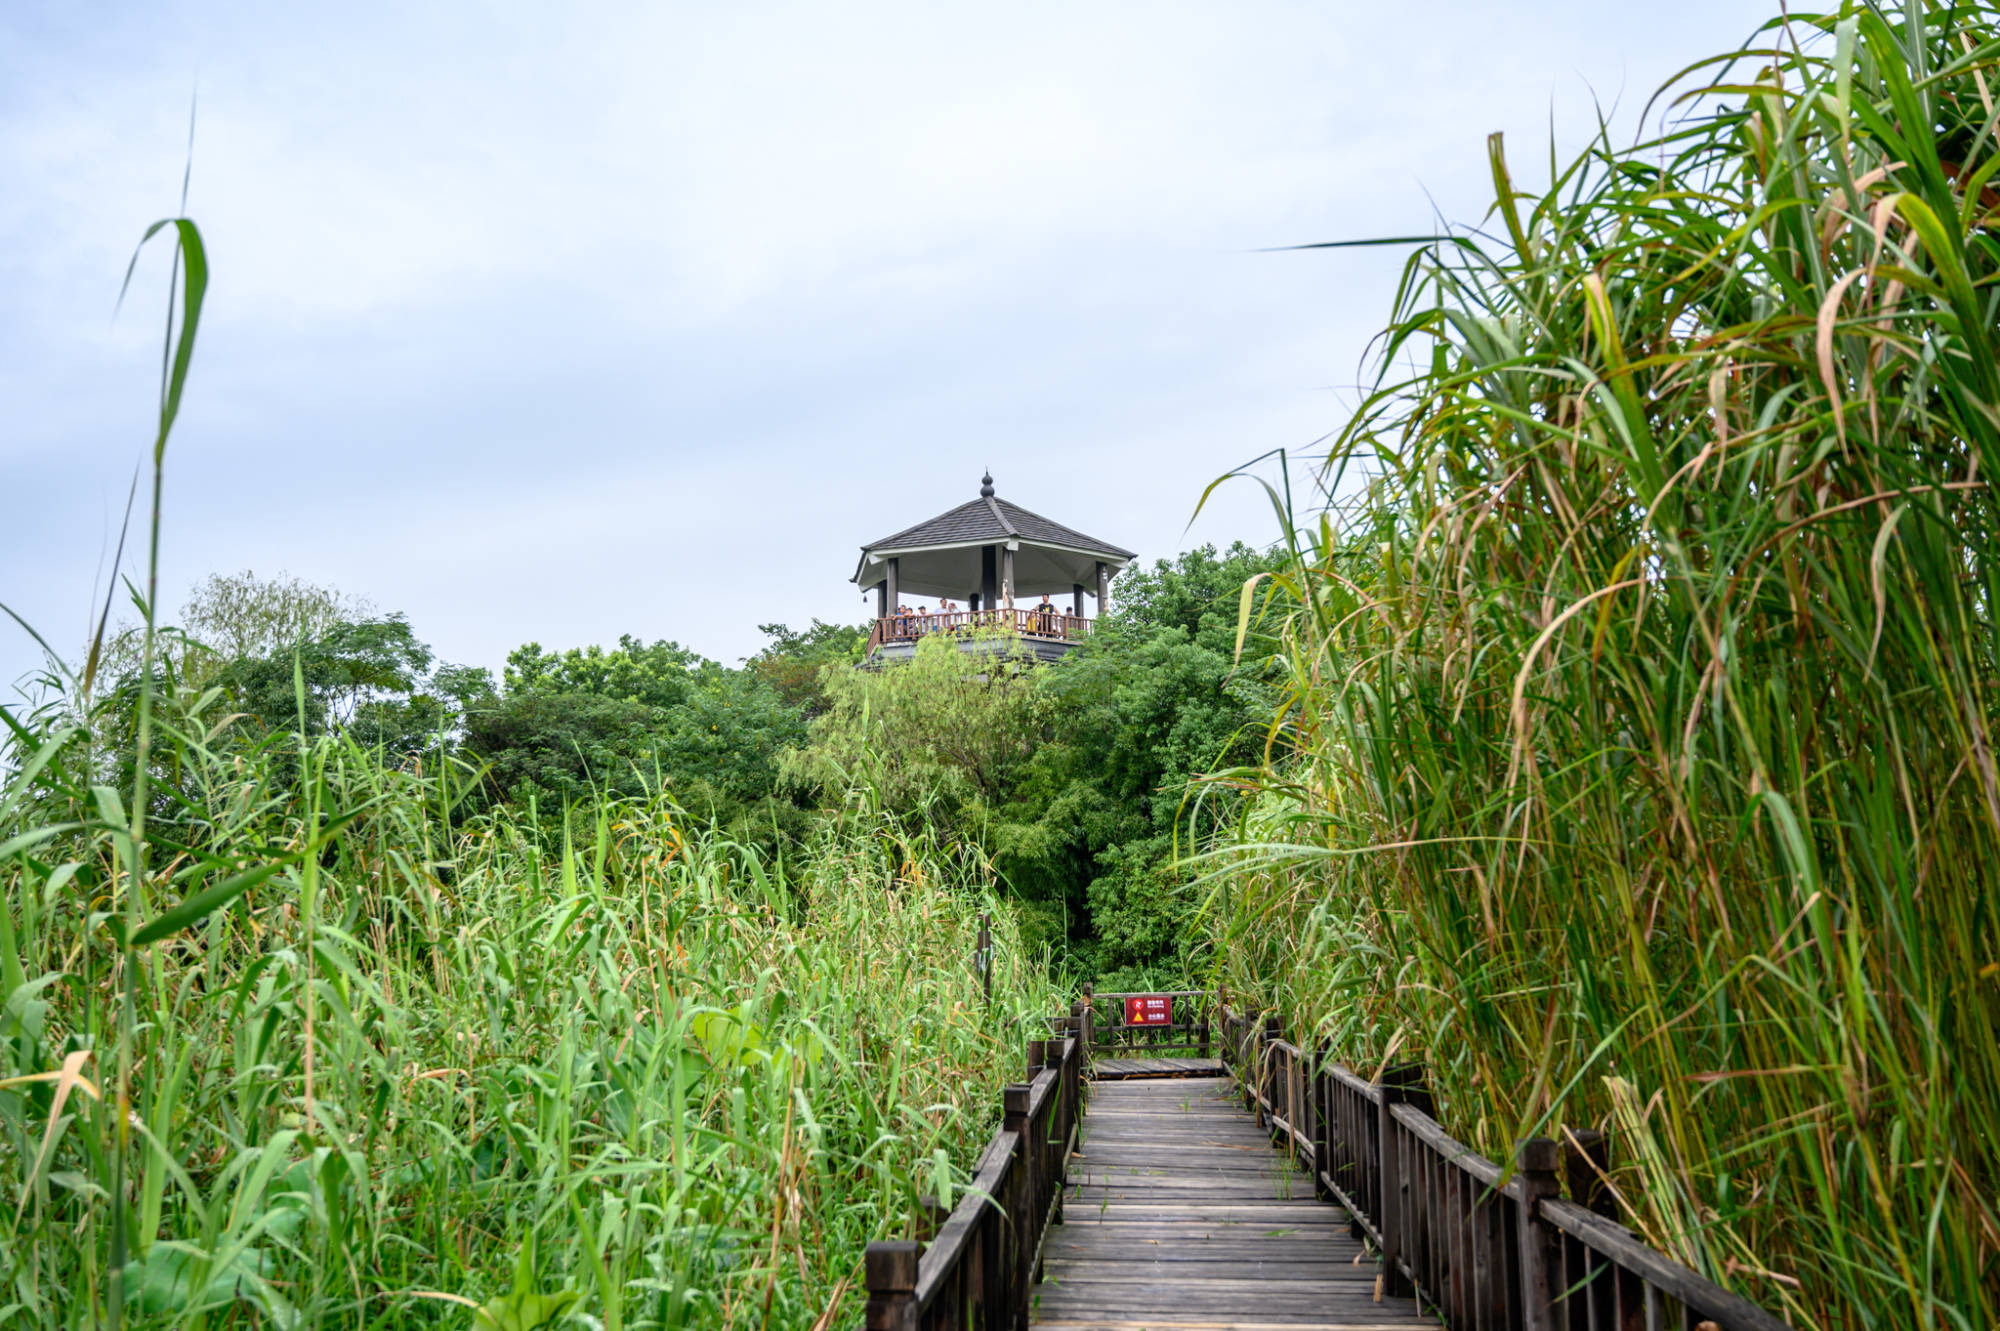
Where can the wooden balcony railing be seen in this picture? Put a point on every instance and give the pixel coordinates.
(1027, 621)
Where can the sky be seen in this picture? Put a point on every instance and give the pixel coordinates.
(557, 322)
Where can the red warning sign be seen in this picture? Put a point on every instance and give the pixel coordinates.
(1149, 1010)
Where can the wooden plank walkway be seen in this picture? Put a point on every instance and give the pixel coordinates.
(1180, 1214)
(1112, 1069)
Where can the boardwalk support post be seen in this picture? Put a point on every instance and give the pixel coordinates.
(891, 1268)
(1541, 1252)
(1401, 1084)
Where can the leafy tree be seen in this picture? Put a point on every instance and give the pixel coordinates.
(239, 616)
(232, 617)
(1199, 590)
(658, 674)
(947, 730)
(1074, 777)
(640, 716)
(793, 663)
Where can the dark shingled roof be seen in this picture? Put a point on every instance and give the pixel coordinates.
(991, 519)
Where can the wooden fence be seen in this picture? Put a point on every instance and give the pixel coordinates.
(1189, 1031)
(1484, 1249)
(978, 1271)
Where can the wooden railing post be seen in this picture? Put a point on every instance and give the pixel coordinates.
(891, 1269)
(1586, 1167)
(1541, 1284)
(1322, 1120)
(1061, 1118)
(1586, 1174)
(1035, 1057)
(1400, 1084)
(1014, 1098)
(1089, 1022)
(931, 1215)
(1267, 1076)
(995, 1271)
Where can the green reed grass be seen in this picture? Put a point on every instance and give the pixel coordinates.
(678, 1086)
(1637, 767)
(286, 1041)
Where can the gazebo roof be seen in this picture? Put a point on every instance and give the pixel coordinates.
(941, 557)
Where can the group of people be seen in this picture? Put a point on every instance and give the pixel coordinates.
(1047, 619)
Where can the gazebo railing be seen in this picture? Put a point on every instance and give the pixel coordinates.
(1027, 621)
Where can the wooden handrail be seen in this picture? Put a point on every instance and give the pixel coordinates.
(1626, 1251)
(979, 1269)
(1481, 1245)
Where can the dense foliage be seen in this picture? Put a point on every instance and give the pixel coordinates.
(1072, 777)
(294, 1032)
(1635, 763)
(388, 1060)
(646, 715)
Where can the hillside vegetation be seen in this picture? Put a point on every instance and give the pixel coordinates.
(1636, 761)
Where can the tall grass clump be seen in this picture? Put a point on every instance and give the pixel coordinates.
(643, 1076)
(1637, 766)
(287, 1039)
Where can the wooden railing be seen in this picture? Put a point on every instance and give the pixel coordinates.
(1027, 621)
(977, 1272)
(1188, 1031)
(1483, 1248)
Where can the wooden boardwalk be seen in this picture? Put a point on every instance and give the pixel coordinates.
(1180, 1214)
(1114, 1069)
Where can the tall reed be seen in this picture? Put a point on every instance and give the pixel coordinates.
(642, 1075)
(286, 1040)
(1637, 766)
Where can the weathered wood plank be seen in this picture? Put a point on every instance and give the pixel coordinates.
(1180, 1214)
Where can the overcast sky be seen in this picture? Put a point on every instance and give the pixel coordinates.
(555, 322)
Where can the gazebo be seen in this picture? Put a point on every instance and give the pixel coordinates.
(996, 557)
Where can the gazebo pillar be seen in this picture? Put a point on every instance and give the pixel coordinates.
(989, 577)
(882, 599)
(895, 600)
(1076, 600)
(1007, 576)
(1103, 589)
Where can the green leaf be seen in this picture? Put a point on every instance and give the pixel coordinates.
(201, 903)
(522, 1311)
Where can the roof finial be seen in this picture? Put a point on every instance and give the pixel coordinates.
(986, 486)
